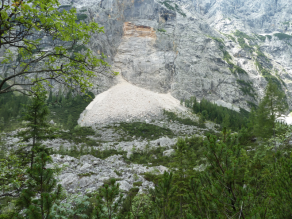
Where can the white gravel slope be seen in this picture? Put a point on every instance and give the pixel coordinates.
(125, 102)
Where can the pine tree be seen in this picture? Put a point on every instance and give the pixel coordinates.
(235, 183)
(37, 127)
(42, 191)
(108, 200)
(163, 195)
(226, 121)
(180, 171)
(273, 105)
(70, 122)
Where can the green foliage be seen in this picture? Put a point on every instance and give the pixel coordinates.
(273, 105)
(164, 197)
(12, 173)
(261, 54)
(64, 107)
(84, 150)
(240, 34)
(227, 57)
(186, 121)
(108, 201)
(81, 17)
(228, 181)
(176, 8)
(229, 36)
(240, 39)
(37, 199)
(267, 75)
(46, 19)
(162, 30)
(247, 88)
(283, 36)
(11, 109)
(145, 130)
(262, 38)
(137, 184)
(217, 114)
(71, 206)
(37, 127)
(239, 70)
(243, 44)
(65, 7)
(219, 40)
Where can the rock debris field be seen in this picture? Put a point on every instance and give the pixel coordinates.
(127, 102)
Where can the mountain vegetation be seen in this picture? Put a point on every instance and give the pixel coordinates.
(240, 168)
(240, 177)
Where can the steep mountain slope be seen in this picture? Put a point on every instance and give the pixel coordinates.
(219, 50)
(224, 50)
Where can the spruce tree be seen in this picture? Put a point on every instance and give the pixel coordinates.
(37, 127)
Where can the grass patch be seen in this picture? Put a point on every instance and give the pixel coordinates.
(137, 183)
(78, 135)
(217, 39)
(268, 76)
(243, 44)
(81, 17)
(283, 36)
(247, 88)
(186, 121)
(261, 38)
(176, 8)
(240, 39)
(85, 174)
(227, 57)
(229, 36)
(155, 157)
(239, 70)
(240, 34)
(162, 30)
(145, 130)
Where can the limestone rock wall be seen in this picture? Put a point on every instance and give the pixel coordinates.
(188, 47)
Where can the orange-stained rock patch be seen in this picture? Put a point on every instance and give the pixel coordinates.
(132, 30)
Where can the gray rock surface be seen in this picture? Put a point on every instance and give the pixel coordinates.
(165, 50)
(89, 173)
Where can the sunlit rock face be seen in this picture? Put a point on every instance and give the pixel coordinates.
(173, 47)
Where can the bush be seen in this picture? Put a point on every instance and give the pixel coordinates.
(145, 130)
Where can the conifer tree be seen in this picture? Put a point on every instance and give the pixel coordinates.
(108, 201)
(37, 127)
(273, 105)
(235, 183)
(163, 195)
(70, 122)
(42, 192)
(180, 171)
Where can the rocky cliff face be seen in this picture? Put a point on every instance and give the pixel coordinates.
(222, 50)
